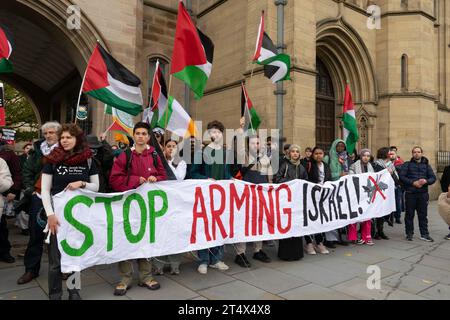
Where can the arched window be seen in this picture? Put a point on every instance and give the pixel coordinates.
(163, 63)
(363, 133)
(404, 72)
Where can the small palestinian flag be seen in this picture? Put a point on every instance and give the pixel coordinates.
(158, 98)
(351, 135)
(6, 48)
(252, 120)
(276, 65)
(193, 53)
(109, 81)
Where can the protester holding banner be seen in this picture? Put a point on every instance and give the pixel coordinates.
(318, 172)
(133, 168)
(361, 166)
(339, 162)
(69, 167)
(178, 168)
(291, 249)
(213, 166)
(384, 162)
(32, 197)
(257, 170)
(417, 175)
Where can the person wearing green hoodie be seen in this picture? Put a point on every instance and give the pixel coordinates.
(339, 162)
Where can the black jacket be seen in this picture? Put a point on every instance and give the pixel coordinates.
(313, 172)
(445, 179)
(288, 172)
(412, 171)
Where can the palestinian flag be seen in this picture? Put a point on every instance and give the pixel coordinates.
(6, 48)
(349, 119)
(252, 120)
(276, 65)
(158, 98)
(192, 54)
(110, 82)
(176, 120)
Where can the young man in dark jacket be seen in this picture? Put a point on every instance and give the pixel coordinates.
(416, 176)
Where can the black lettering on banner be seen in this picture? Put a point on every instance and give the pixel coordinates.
(323, 214)
(353, 214)
(305, 206)
(339, 199)
(314, 200)
(357, 191)
(333, 193)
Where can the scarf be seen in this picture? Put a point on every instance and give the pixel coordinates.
(46, 149)
(294, 162)
(59, 155)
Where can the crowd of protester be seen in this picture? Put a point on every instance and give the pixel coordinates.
(67, 159)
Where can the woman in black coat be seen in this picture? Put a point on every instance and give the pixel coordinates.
(291, 249)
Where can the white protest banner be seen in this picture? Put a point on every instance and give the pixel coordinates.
(173, 217)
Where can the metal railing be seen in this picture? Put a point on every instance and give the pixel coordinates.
(443, 160)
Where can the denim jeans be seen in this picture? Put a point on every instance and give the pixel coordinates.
(211, 255)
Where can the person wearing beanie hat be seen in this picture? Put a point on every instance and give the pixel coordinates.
(361, 166)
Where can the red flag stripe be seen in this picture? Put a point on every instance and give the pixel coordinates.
(259, 39)
(249, 103)
(348, 101)
(96, 72)
(156, 87)
(188, 49)
(5, 45)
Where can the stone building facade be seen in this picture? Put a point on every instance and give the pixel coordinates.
(399, 73)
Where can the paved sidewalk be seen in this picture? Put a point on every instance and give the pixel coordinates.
(409, 270)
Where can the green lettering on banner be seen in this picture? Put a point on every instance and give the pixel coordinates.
(126, 218)
(88, 235)
(109, 218)
(156, 214)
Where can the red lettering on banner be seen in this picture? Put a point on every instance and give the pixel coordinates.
(216, 213)
(199, 199)
(254, 209)
(286, 211)
(268, 212)
(235, 200)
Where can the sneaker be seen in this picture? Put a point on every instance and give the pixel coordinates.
(370, 242)
(261, 256)
(220, 265)
(309, 248)
(241, 260)
(361, 241)
(175, 271)
(447, 237)
(158, 272)
(202, 269)
(409, 237)
(426, 238)
(322, 249)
